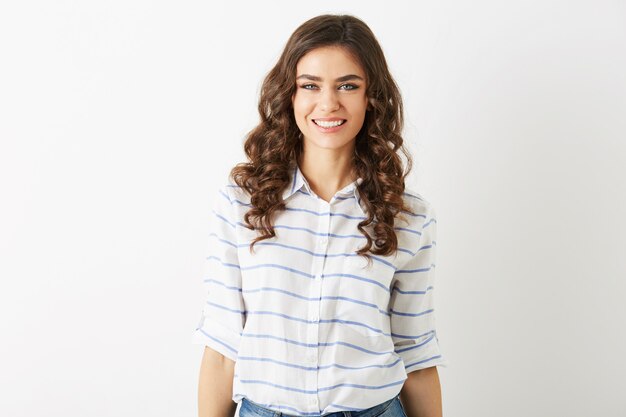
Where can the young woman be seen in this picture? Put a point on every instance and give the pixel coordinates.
(321, 262)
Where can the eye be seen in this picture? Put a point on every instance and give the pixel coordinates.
(352, 86)
(307, 85)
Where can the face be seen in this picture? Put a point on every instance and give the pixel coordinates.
(330, 90)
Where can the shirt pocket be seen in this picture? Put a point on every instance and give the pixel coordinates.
(365, 291)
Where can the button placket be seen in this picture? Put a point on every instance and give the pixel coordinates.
(315, 293)
(323, 249)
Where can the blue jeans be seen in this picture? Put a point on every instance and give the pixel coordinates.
(390, 408)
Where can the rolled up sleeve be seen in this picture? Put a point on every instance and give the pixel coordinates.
(223, 313)
(412, 302)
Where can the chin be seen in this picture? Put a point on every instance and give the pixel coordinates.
(330, 143)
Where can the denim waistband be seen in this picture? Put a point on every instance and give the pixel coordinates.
(368, 412)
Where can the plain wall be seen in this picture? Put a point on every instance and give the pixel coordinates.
(119, 119)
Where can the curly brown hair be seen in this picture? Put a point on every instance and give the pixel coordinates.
(275, 144)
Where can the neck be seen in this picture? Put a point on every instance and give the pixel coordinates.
(327, 172)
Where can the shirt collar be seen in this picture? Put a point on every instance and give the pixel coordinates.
(299, 182)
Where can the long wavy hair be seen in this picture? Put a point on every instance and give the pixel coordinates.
(275, 144)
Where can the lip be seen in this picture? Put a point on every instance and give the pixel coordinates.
(327, 119)
(329, 129)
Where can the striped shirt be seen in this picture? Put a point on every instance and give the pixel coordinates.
(312, 328)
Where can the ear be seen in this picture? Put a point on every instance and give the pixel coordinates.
(370, 103)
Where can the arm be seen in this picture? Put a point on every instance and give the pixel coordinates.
(223, 313)
(413, 324)
(421, 393)
(215, 387)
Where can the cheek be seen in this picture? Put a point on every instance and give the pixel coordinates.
(299, 113)
(301, 107)
(358, 104)
(359, 111)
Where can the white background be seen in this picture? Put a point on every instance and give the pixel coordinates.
(119, 119)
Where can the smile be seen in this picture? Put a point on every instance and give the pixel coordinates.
(326, 124)
(329, 126)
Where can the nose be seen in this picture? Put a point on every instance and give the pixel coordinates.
(329, 101)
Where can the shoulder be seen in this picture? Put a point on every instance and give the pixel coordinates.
(229, 193)
(418, 204)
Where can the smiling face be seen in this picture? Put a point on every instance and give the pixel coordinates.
(330, 90)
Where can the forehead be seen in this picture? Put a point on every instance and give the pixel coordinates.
(329, 60)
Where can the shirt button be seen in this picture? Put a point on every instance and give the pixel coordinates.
(312, 358)
(314, 318)
(312, 401)
(318, 277)
(323, 241)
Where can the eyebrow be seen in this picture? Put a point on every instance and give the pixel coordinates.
(344, 78)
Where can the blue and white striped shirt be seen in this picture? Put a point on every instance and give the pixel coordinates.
(311, 327)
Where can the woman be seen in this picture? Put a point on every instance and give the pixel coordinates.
(321, 263)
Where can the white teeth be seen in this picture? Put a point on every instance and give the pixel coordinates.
(328, 124)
